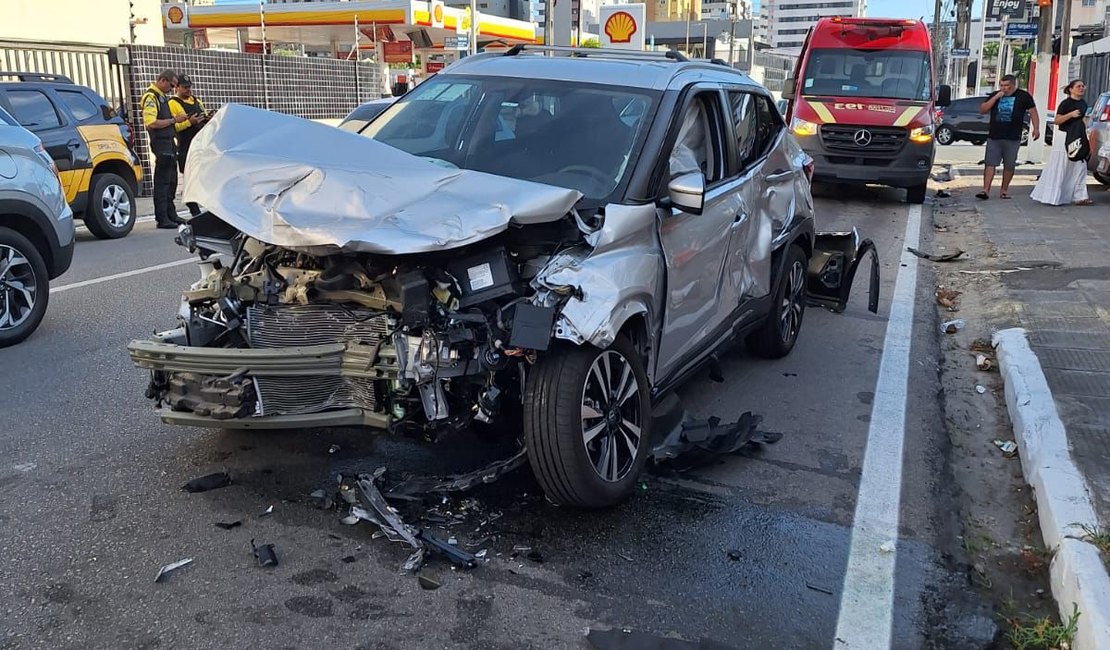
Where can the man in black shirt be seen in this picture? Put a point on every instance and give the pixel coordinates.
(1007, 108)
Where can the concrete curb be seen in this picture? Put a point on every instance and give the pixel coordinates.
(1063, 503)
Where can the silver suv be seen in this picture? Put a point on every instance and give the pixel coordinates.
(36, 230)
(552, 240)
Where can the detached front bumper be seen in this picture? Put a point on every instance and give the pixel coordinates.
(336, 384)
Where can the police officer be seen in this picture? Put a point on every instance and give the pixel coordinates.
(185, 103)
(160, 122)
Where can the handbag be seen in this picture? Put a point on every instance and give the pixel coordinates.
(1076, 144)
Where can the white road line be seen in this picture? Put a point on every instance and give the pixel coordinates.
(125, 274)
(867, 600)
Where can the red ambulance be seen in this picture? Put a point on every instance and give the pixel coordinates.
(862, 102)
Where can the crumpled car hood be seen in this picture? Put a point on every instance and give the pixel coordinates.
(308, 186)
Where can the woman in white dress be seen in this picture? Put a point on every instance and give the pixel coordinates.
(1064, 181)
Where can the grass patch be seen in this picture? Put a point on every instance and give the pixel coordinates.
(1043, 633)
(1097, 536)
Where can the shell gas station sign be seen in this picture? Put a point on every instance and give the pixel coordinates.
(622, 26)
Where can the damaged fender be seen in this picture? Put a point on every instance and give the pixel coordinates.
(832, 269)
(617, 280)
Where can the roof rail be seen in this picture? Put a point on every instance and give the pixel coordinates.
(673, 55)
(37, 76)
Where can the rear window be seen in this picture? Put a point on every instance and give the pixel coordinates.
(33, 109)
(81, 106)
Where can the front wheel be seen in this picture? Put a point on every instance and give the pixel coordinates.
(111, 210)
(778, 334)
(916, 194)
(945, 135)
(24, 287)
(587, 424)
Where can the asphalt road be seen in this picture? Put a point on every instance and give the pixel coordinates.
(91, 501)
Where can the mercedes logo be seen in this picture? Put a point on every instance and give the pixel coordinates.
(862, 138)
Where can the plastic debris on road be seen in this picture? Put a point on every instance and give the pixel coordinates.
(981, 389)
(209, 482)
(1008, 447)
(171, 567)
(428, 583)
(951, 257)
(265, 554)
(983, 362)
(887, 546)
(268, 511)
(952, 326)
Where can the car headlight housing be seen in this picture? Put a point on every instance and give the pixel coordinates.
(922, 133)
(802, 127)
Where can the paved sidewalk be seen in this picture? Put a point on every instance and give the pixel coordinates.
(1058, 394)
(1065, 306)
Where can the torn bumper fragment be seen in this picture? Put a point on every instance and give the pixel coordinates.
(832, 269)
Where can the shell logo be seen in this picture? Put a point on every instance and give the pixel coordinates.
(620, 27)
(437, 14)
(466, 20)
(175, 14)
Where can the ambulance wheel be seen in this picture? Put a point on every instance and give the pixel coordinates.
(110, 213)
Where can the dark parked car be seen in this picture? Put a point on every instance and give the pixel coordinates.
(361, 116)
(961, 120)
(1099, 128)
(90, 143)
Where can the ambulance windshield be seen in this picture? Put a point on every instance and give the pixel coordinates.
(887, 74)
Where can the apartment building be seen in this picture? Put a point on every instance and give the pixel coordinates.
(784, 23)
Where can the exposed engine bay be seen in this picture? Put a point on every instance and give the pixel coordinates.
(421, 344)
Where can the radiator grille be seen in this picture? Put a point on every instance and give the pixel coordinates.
(297, 325)
(283, 326)
(879, 140)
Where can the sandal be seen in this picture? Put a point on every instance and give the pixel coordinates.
(1004, 195)
(1085, 202)
(983, 196)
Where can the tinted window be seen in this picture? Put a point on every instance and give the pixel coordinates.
(80, 105)
(889, 74)
(7, 119)
(33, 109)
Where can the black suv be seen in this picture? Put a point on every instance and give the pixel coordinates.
(91, 144)
(961, 120)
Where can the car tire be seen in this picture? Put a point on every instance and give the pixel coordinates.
(1101, 178)
(978, 143)
(110, 213)
(945, 135)
(916, 194)
(21, 265)
(778, 334)
(569, 397)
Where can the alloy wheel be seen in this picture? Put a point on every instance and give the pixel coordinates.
(116, 206)
(793, 303)
(18, 288)
(611, 416)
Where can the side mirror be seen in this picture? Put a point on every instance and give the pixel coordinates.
(687, 192)
(788, 88)
(944, 96)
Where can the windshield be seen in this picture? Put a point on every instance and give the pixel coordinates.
(886, 74)
(565, 134)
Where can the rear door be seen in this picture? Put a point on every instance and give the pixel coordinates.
(700, 297)
(37, 112)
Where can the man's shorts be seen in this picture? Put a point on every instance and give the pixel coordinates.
(1002, 152)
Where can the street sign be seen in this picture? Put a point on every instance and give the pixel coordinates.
(999, 8)
(961, 53)
(1021, 30)
(460, 42)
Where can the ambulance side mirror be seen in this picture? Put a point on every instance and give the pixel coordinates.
(788, 89)
(944, 96)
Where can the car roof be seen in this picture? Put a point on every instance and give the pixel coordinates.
(650, 71)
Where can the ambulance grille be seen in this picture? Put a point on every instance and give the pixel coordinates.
(842, 137)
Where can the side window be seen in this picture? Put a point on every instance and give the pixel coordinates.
(757, 127)
(81, 106)
(33, 109)
(696, 147)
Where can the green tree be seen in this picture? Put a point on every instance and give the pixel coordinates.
(1022, 59)
(591, 42)
(990, 50)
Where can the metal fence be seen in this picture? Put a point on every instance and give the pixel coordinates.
(1094, 70)
(86, 65)
(312, 88)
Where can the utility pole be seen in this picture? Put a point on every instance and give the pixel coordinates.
(1065, 45)
(1042, 84)
(981, 61)
(936, 32)
(548, 21)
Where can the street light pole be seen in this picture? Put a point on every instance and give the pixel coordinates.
(1043, 83)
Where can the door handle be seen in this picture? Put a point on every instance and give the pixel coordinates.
(780, 175)
(740, 217)
(74, 144)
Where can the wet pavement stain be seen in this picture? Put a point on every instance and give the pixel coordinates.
(314, 577)
(311, 606)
